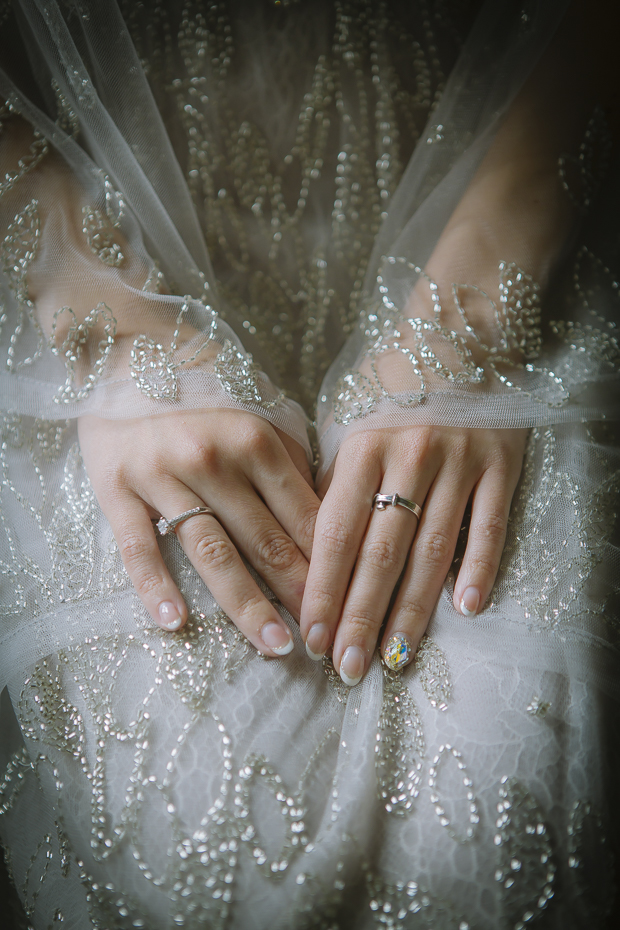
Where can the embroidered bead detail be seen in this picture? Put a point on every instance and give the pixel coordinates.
(17, 252)
(154, 368)
(472, 815)
(595, 889)
(526, 869)
(435, 351)
(257, 204)
(150, 367)
(155, 282)
(538, 707)
(67, 117)
(238, 376)
(100, 320)
(38, 150)
(581, 175)
(399, 748)
(431, 665)
(100, 237)
(256, 768)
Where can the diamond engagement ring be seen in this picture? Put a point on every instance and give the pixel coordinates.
(169, 526)
(381, 501)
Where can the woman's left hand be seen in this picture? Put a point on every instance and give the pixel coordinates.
(359, 553)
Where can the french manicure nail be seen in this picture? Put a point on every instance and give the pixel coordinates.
(317, 641)
(277, 638)
(470, 602)
(398, 651)
(352, 665)
(169, 616)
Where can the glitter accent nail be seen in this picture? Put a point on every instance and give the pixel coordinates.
(397, 652)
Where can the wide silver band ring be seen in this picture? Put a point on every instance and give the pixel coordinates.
(169, 526)
(381, 501)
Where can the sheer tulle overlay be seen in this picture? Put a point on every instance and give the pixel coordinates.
(248, 205)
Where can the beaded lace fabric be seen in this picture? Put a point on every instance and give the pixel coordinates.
(215, 200)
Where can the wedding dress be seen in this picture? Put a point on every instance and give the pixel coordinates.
(217, 179)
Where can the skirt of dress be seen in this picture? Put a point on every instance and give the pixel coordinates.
(181, 780)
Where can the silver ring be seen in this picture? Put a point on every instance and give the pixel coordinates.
(381, 501)
(169, 526)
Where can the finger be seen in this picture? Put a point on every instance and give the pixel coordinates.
(381, 559)
(215, 558)
(429, 561)
(135, 536)
(485, 541)
(341, 523)
(263, 541)
(297, 456)
(285, 491)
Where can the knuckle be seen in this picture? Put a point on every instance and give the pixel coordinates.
(258, 440)
(492, 529)
(277, 550)
(482, 564)
(196, 455)
(325, 601)
(136, 553)
(249, 606)
(413, 609)
(382, 553)
(215, 551)
(423, 441)
(135, 550)
(336, 537)
(307, 524)
(204, 456)
(461, 448)
(115, 476)
(503, 460)
(359, 444)
(360, 624)
(436, 547)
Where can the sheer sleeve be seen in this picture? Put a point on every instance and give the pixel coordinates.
(109, 304)
(488, 302)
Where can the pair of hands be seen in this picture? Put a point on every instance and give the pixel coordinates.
(331, 561)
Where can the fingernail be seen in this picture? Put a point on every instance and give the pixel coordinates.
(169, 616)
(470, 602)
(317, 641)
(277, 638)
(398, 651)
(352, 665)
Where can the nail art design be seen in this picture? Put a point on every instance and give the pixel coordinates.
(398, 651)
(352, 666)
(470, 602)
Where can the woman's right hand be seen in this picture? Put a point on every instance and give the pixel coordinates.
(255, 478)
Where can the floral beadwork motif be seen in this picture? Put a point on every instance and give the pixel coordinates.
(100, 237)
(434, 351)
(99, 322)
(154, 368)
(399, 748)
(572, 557)
(38, 149)
(238, 375)
(431, 665)
(17, 252)
(290, 298)
(526, 868)
(581, 174)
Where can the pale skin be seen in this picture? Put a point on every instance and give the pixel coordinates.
(141, 468)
